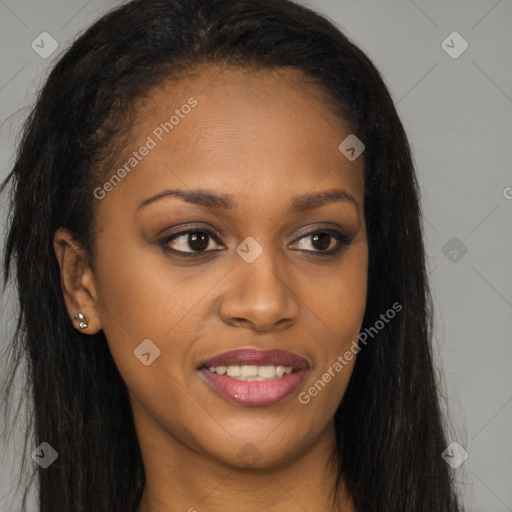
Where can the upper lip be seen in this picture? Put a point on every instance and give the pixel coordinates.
(248, 356)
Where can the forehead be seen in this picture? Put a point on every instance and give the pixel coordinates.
(248, 132)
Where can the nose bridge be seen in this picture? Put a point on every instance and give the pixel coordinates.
(263, 272)
(259, 292)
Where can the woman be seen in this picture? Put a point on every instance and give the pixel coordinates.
(217, 244)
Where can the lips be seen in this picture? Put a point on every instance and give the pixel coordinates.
(258, 358)
(255, 393)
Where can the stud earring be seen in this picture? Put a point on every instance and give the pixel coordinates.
(83, 321)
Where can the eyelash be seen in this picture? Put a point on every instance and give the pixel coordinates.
(343, 240)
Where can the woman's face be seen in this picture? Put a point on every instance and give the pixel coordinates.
(249, 154)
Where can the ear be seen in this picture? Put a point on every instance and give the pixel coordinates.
(77, 281)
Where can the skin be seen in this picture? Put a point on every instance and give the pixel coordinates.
(262, 138)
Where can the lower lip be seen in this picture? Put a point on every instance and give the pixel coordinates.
(255, 393)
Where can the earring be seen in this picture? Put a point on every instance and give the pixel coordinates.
(83, 321)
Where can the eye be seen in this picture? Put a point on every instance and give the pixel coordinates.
(192, 242)
(196, 242)
(323, 242)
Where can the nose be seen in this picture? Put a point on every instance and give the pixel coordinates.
(259, 295)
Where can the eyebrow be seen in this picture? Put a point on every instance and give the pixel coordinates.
(210, 199)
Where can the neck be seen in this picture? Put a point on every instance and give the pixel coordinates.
(180, 479)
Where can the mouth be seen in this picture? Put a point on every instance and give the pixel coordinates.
(255, 378)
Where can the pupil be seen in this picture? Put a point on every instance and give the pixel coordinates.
(322, 239)
(198, 240)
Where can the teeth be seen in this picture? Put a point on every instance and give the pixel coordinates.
(233, 371)
(249, 371)
(252, 373)
(266, 372)
(279, 371)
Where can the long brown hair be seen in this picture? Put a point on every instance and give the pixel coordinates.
(389, 425)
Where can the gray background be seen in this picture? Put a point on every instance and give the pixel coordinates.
(458, 116)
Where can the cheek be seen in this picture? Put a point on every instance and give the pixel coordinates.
(339, 298)
(142, 290)
(339, 303)
(141, 296)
